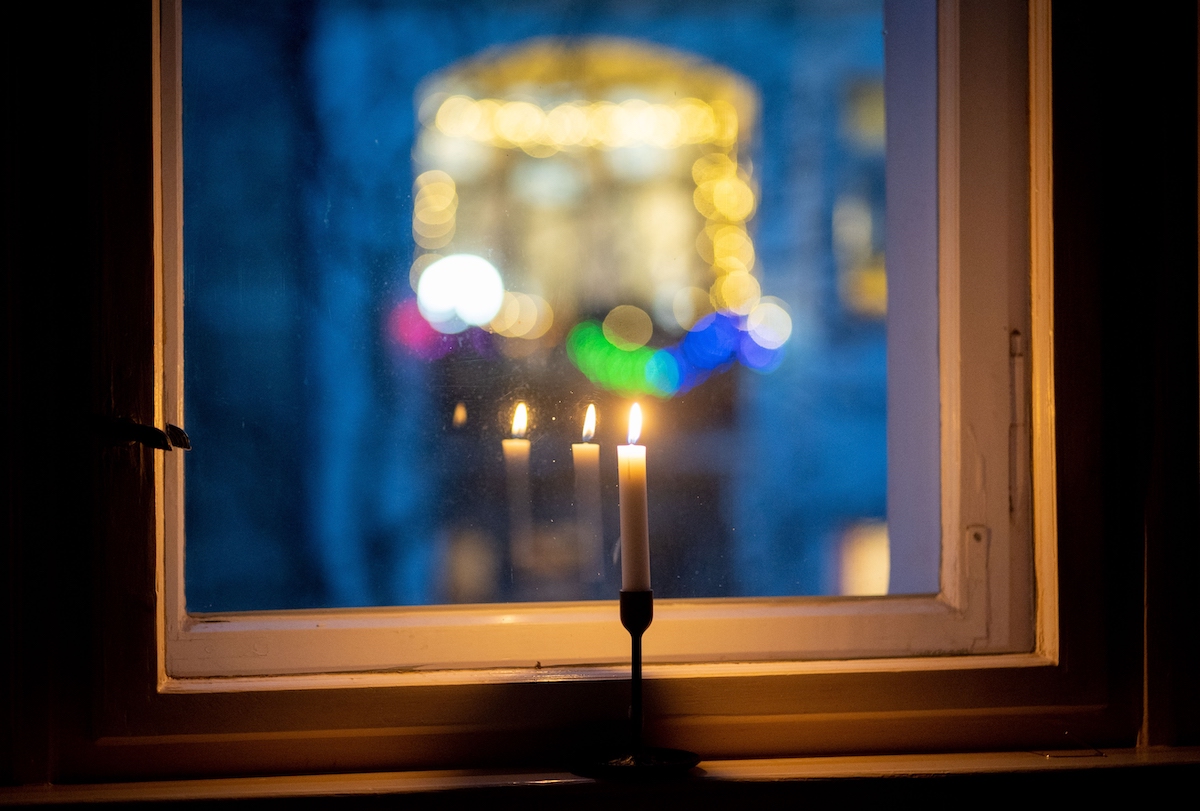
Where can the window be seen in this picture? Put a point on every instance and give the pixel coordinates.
(687, 631)
(392, 715)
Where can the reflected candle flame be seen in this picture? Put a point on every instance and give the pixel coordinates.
(589, 423)
(520, 421)
(635, 423)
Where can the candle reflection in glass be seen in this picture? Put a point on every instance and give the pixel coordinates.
(586, 457)
(516, 470)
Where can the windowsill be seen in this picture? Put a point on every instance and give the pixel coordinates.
(856, 768)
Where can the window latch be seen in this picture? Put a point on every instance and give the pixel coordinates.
(122, 430)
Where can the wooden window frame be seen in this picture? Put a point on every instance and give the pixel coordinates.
(984, 604)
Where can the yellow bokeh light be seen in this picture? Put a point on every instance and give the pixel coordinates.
(543, 318)
(432, 240)
(667, 132)
(866, 116)
(433, 230)
(432, 216)
(737, 293)
(732, 249)
(507, 315)
(520, 122)
(628, 327)
(864, 289)
(567, 124)
(603, 129)
(729, 198)
(635, 119)
(697, 123)
(726, 130)
(436, 195)
(733, 198)
(435, 204)
(542, 132)
(458, 116)
(523, 315)
(702, 198)
(865, 559)
(713, 166)
(527, 316)
(485, 127)
(432, 177)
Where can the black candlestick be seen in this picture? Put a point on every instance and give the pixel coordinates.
(640, 763)
(637, 612)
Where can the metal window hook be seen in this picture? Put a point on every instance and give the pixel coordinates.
(119, 430)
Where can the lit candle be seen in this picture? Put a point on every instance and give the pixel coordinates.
(635, 528)
(586, 456)
(516, 469)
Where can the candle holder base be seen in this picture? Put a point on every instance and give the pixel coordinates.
(650, 764)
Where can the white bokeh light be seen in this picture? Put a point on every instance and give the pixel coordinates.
(769, 323)
(458, 291)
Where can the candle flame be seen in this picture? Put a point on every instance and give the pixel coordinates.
(460, 415)
(589, 423)
(635, 423)
(520, 421)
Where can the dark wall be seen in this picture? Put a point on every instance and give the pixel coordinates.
(1126, 331)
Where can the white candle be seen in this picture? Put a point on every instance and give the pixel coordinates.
(586, 457)
(516, 469)
(635, 527)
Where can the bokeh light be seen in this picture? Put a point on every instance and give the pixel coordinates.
(732, 249)
(713, 342)
(523, 315)
(628, 327)
(460, 290)
(608, 366)
(736, 293)
(865, 559)
(407, 327)
(728, 322)
(435, 205)
(769, 324)
(713, 166)
(730, 198)
(458, 116)
(543, 131)
(760, 358)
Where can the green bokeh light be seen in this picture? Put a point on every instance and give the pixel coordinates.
(618, 370)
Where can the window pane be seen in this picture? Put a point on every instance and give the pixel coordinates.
(401, 222)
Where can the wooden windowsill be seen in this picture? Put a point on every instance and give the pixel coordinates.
(827, 770)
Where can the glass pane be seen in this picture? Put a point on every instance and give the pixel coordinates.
(404, 221)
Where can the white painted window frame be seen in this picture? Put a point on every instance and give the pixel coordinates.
(994, 490)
